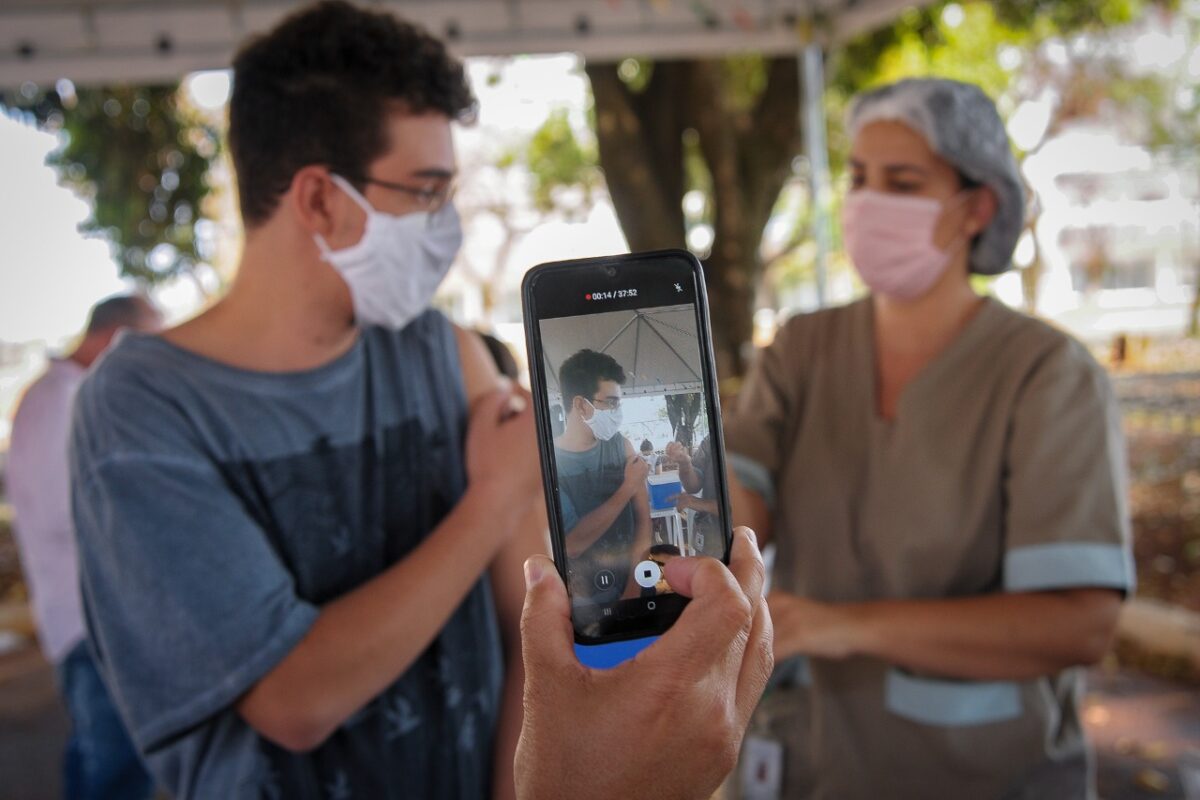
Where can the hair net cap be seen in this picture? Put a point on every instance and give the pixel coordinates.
(961, 125)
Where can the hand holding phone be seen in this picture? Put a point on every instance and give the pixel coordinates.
(689, 695)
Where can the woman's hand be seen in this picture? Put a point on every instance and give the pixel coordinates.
(806, 627)
(1012, 636)
(685, 501)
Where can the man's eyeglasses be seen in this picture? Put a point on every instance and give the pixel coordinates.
(429, 199)
(607, 403)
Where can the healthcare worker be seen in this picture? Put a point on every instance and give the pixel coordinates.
(943, 479)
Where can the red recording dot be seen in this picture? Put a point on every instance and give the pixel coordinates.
(587, 297)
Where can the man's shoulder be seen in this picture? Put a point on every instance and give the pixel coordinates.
(128, 401)
(429, 346)
(129, 370)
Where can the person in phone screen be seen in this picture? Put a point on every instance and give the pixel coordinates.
(605, 501)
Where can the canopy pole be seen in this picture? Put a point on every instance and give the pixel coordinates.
(811, 61)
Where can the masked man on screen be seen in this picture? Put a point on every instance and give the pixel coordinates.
(605, 502)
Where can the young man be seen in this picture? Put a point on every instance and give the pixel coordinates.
(605, 503)
(302, 515)
(100, 761)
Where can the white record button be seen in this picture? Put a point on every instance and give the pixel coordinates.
(647, 573)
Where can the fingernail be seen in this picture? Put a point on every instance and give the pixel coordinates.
(533, 573)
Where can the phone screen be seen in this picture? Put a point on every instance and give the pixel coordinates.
(630, 433)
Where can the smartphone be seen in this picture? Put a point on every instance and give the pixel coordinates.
(629, 430)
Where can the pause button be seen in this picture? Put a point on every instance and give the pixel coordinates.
(605, 579)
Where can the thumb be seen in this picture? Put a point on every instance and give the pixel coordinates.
(546, 633)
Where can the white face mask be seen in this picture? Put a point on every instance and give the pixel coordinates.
(604, 423)
(397, 265)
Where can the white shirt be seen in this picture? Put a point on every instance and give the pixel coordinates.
(38, 486)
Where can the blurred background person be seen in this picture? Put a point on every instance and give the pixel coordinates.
(696, 475)
(100, 760)
(944, 480)
(700, 490)
(651, 458)
(501, 353)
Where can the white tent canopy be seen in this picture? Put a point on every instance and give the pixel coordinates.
(658, 348)
(106, 41)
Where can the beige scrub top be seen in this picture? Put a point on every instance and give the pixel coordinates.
(1003, 471)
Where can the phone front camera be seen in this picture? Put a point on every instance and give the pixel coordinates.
(610, 272)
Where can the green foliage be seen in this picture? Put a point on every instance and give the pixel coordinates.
(980, 42)
(140, 157)
(1072, 51)
(636, 73)
(997, 46)
(744, 79)
(1067, 16)
(557, 160)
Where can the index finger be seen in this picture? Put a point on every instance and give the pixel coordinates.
(746, 563)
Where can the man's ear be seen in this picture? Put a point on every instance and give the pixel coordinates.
(983, 210)
(577, 404)
(315, 200)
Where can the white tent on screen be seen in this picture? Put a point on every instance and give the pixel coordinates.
(657, 347)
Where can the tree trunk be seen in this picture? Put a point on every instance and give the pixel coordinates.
(748, 149)
(640, 138)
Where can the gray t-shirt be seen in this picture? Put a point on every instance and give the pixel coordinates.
(587, 480)
(218, 508)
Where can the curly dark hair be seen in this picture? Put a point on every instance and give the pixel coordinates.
(317, 90)
(580, 375)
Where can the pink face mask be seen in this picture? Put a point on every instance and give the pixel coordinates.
(890, 240)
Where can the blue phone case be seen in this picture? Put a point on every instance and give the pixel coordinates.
(607, 656)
